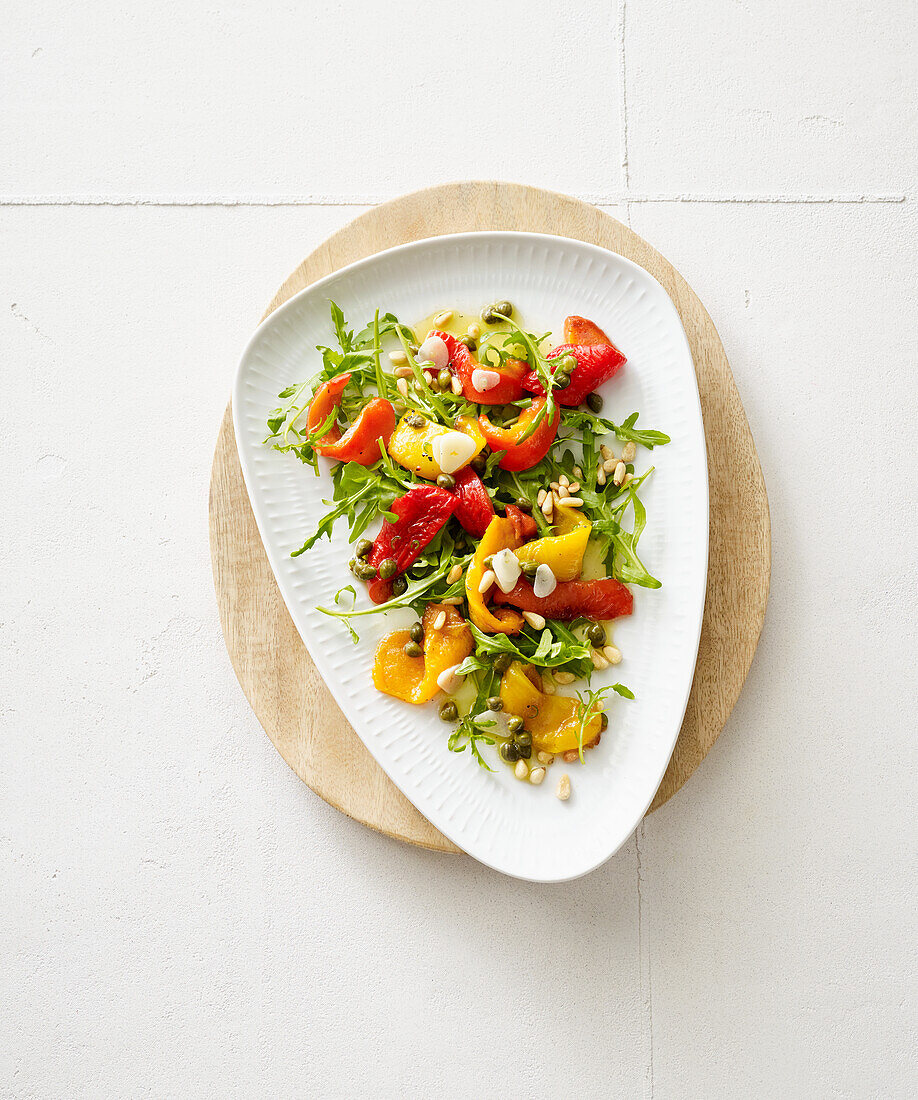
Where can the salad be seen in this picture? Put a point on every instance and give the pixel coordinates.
(484, 490)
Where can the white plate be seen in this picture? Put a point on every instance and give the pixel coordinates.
(513, 827)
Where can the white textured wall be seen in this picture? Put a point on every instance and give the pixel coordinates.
(179, 915)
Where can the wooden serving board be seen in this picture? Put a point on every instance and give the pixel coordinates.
(275, 671)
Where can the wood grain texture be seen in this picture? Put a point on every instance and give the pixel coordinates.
(279, 679)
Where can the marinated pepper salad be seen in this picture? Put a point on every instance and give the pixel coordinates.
(510, 525)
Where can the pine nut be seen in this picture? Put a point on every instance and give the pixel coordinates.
(440, 621)
(578, 473)
(400, 408)
(563, 677)
(562, 492)
(548, 505)
(474, 330)
(536, 776)
(574, 487)
(573, 502)
(570, 756)
(456, 384)
(397, 357)
(554, 486)
(454, 574)
(403, 372)
(545, 758)
(610, 464)
(486, 581)
(628, 479)
(564, 788)
(540, 499)
(452, 601)
(564, 480)
(442, 318)
(612, 654)
(600, 476)
(548, 688)
(606, 452)
(402, 386)
(629, 451)
(599, 662)
(534, 619)
(521, 771)
(619, 476)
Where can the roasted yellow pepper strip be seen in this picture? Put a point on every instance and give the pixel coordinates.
(562, 553)
(500, 535)
(414, 679)
(552, 720)
(569, 519)
(413, 447)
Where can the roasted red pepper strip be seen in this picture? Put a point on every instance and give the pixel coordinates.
(525, 525)
(522, 456)
(598, 359)
(474, 509)
(360, 443)
(601, 599)
(421, 512)
(462, 363)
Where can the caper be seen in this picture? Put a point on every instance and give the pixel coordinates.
(495, 703)
(529, 568)
(597, 635)
(494, 314)
(509, 752)
(364, 547)
(469, 342)
(449, 712)
(562, 379)
(594, 402)
(603, 721)
(400, 585)
(515, 724)
(445, 379)
(416, 632)
(489, 561)
(502, 662)
(416, 420)
(505, 309)
(365, 571)
(387, 569)
(524, 739)
(523, 504)
(479, 464)
(446, 481)
(525, 751)
(412, 649)
(567, 363)
(352, 565)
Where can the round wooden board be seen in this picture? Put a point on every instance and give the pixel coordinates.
(280, 681)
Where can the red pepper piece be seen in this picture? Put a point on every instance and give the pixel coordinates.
(474, 509)
(462, 363)
(522, 456)
(598, 359)
(601, 599)
(421, 512)
(525, 525)
(360, 443)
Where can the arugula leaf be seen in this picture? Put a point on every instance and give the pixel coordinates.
(345, 338)
(626, 431)
(591, 704)
(553, 647)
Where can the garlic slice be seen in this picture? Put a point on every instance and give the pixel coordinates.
(484, 380)
(452, 450)
(545, 581)
(434, 350)
(506, 568)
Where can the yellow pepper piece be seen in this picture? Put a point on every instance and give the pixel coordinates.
(500, 535)
(414, 679)
(569, 519)
(413, 447)
(553, 720)
(562, 553)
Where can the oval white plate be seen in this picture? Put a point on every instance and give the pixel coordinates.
(513, 827)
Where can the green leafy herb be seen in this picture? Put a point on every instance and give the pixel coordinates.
(591, 704)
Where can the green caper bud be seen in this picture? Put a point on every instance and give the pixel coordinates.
(525, 751)
(352, 565)
(479, 464)
(495, 703)
(489, 561)
(449, 712)
(400, 585)
(504, 309)
(387, 569)
(416, 420)
(509, 752)
(445, 379)
(502, 662)
(446, 481)
(364, 547)
(365, 571)
(567, 363)
(603, 721)
(524, 739)
(469, 342)
(529, 568)
(489, 316)
(562, 379)
(597, 635)
(515, 725)
(412, 649)
(524, 505)
(416, 632)
(594, 402)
